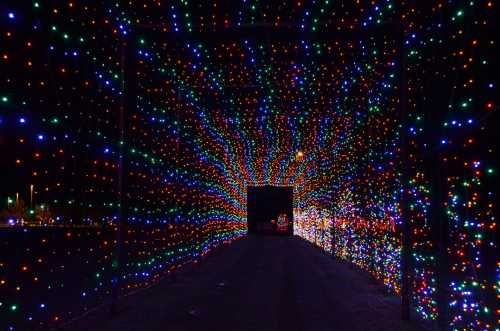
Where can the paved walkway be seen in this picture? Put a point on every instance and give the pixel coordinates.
(260, 283)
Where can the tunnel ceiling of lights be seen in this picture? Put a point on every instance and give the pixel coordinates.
(140, 124)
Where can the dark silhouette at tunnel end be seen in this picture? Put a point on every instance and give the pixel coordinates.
(270, 210)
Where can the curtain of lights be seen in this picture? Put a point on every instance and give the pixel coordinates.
(219, 95)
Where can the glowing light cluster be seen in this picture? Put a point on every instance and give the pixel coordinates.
(314, 225)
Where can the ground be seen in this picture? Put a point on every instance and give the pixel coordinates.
(259, 283)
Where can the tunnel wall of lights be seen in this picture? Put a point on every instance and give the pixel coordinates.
(129, 133)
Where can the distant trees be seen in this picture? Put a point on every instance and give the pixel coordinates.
(17, 213)
(43, 214)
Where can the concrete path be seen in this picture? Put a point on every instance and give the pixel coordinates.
(259, 283)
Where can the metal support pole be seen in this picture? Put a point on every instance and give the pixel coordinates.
(439, 94)
(127, 102)
(440, 231)
(406, 232)
(437, 212)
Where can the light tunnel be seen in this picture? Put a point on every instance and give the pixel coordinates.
(130, 133)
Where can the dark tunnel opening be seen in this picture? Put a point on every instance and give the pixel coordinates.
(270, 210)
